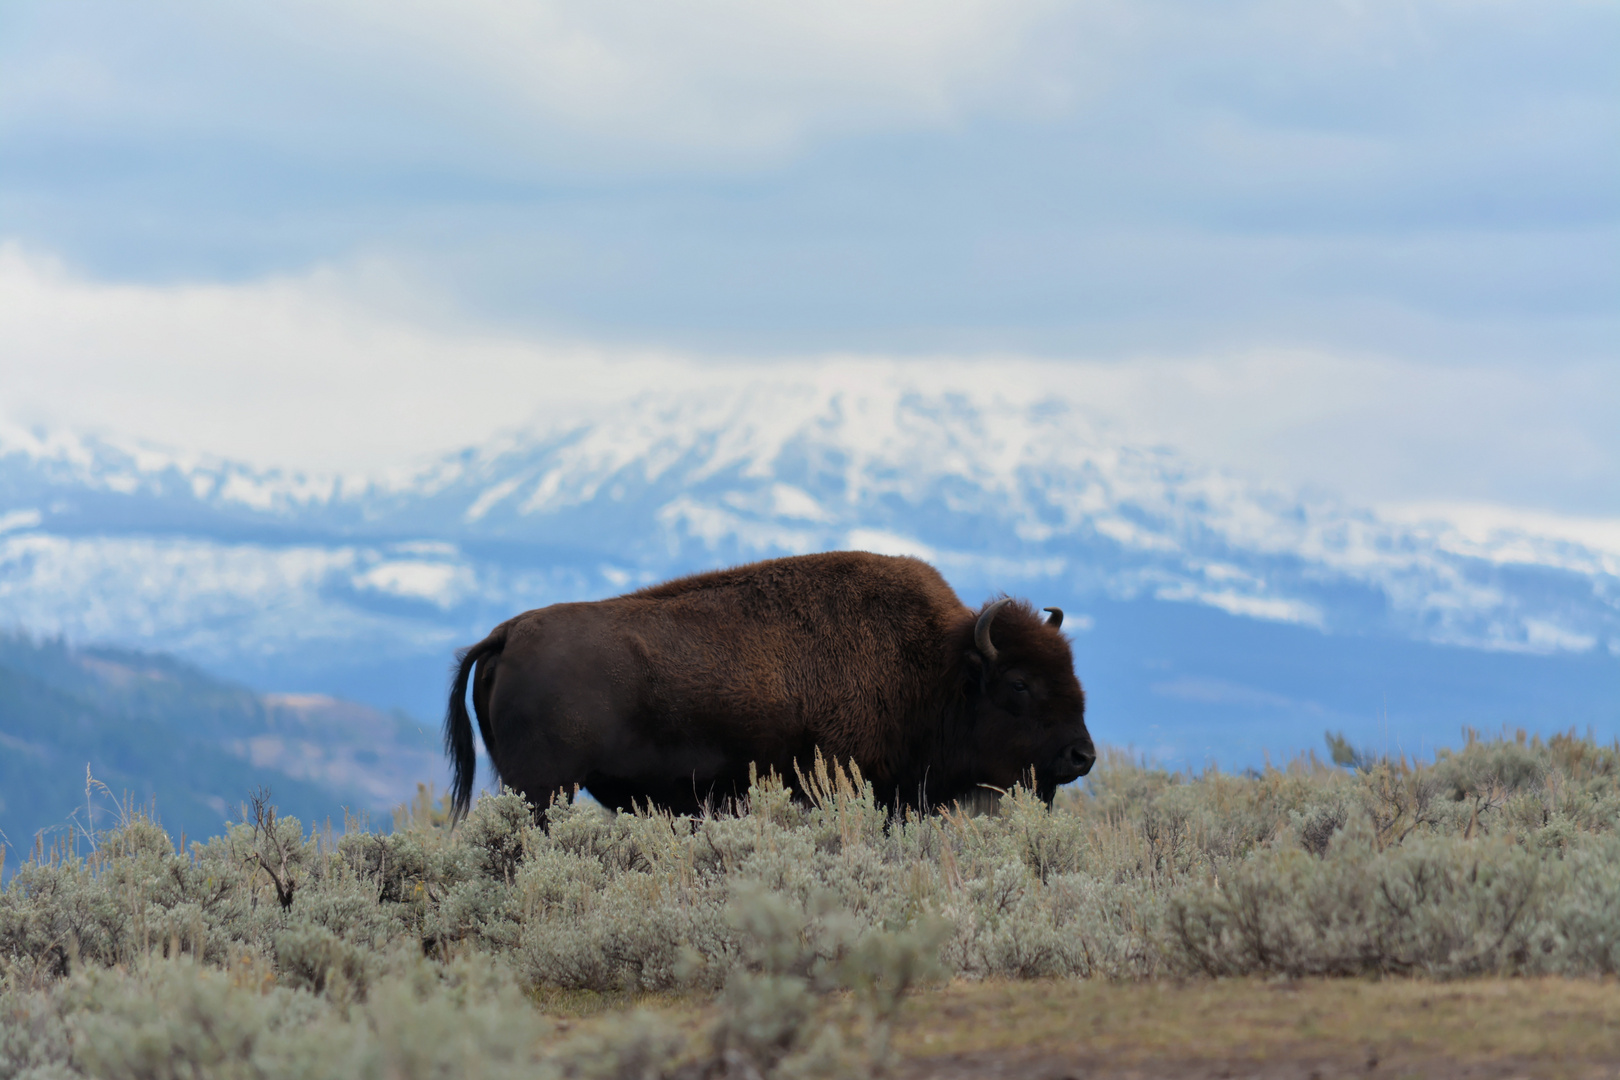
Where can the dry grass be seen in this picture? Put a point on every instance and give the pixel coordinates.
(1050, 1029)
(1540, 1027)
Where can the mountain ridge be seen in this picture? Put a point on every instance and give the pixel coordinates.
(272, 575)
(85, 729)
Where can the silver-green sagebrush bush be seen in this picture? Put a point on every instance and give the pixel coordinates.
(273, 951)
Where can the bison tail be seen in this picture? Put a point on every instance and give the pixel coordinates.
(458, 736)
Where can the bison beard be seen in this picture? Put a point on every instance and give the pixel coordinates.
(667, 695)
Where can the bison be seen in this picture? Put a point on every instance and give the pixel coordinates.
(668, 695)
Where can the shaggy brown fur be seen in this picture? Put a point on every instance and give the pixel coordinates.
(668, 694)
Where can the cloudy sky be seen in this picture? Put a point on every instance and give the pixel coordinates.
(1371, 246)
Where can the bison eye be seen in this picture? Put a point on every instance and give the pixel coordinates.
(1019, 686)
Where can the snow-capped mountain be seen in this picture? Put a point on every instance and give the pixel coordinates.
(324, 583)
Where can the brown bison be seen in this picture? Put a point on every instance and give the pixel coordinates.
(667, 695)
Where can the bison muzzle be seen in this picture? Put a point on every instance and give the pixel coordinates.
(669, 694)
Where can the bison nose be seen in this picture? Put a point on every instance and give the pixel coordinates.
(1076, 760)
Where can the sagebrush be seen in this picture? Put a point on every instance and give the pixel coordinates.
(272, 950)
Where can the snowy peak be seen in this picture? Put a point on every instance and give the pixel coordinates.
(1017, 493)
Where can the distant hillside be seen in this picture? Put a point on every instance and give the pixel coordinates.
(155, 730)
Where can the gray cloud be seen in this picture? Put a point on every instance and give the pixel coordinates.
(1416, 202)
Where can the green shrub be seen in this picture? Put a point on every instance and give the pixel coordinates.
(271, 950)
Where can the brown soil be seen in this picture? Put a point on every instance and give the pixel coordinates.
(1004, 1067)
(1306, 1030)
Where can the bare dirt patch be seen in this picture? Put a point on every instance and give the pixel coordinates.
(1229, 1029)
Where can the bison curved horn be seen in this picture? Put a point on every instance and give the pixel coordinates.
(981, 630)
(1057, 617)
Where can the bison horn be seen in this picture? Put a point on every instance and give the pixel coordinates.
(981, 630)
(1057, 617)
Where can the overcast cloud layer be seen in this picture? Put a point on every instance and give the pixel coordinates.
(1364, 245)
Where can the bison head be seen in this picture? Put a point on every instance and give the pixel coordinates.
(1027, 710)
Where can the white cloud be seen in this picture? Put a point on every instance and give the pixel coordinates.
(441, 583)
(302, 372)
(1505, 534)
(19, 519)
(1427, 176)
(716, 74)
(884, 542)
(1545, 637)
(514, 81)
(504, 79)
(352, 370)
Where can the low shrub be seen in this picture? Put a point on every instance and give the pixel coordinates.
(272, 950)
